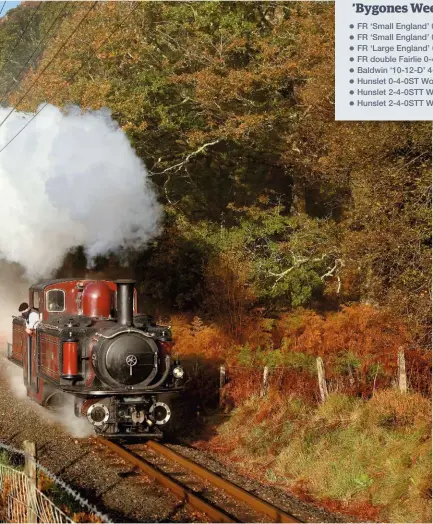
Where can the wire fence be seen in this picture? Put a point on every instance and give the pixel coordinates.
(21, 501)
(405, 370)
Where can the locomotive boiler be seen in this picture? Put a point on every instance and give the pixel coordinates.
(91, 343)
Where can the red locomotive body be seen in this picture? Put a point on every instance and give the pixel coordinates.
(91, 343)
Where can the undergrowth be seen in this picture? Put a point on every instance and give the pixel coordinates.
(373, 457)
(359, 347)
(365, 451)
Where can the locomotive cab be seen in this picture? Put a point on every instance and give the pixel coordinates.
(91, 343)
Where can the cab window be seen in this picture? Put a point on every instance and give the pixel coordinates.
(36, 304)
(55, 300)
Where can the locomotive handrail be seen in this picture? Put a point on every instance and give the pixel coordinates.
(48, 326)
(129, 330)
(39, 324)
(165, 374)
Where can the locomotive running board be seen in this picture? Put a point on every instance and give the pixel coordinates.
(113, 392)
(131, 435)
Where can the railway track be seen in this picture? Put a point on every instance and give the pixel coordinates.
(225, 501)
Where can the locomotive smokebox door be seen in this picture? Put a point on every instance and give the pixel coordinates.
(127, 359)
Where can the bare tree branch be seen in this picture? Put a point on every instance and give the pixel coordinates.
(297, 263)
(330, 272)
(333, 272)
(179, 166)
(166, 190)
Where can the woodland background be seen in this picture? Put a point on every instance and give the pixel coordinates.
(280, 223)
(287, 235)
(231, 106)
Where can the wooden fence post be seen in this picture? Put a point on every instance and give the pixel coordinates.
(31, 472)
(222, 383)
(402, 380)
(322, 379)
(265, 381)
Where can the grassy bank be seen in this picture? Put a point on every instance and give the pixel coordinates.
(368, 458)
(366, 451)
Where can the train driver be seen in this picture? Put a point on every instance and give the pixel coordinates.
(31, 317)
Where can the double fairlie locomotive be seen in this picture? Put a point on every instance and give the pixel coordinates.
(91, 343)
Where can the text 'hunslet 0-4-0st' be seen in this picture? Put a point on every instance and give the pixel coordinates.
(91, 343)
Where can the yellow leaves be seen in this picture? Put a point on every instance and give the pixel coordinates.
(94, 96)
(131, 127)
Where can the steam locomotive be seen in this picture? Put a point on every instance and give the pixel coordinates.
(91, 343)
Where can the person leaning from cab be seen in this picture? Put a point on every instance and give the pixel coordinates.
(30, 316)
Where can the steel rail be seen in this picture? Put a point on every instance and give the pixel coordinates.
(216, 514)
(236, 492)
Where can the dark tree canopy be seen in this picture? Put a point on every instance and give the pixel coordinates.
(231, 107)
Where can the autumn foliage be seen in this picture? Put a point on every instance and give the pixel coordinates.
(270, 203)
(359, 346)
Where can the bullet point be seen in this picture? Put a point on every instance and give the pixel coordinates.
(352, 59)
(352, 92)
(352, 70)
(351, 81)
(351, 48)
(351, 26)
(352, 103)
(352, 37)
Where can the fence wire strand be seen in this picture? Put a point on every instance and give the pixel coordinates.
(18, 498)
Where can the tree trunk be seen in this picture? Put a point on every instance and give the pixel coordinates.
(222, 383)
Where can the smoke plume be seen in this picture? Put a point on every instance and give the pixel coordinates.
(70, 179)
(13, 290)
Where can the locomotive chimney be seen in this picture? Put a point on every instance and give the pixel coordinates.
(125, 301)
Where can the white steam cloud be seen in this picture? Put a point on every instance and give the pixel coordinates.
(62, 415)
(13, 290)
(70, 179)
